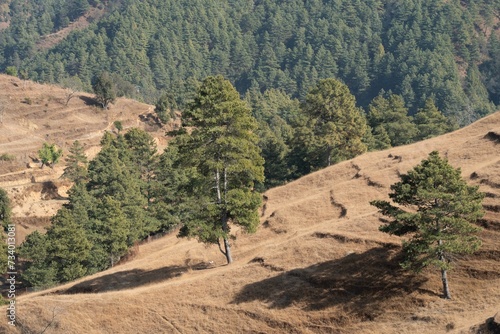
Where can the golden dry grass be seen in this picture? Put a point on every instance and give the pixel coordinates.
(34, 114)
(317, 264)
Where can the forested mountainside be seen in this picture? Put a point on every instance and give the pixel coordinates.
(447, 50)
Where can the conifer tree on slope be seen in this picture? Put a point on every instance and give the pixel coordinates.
(390, 115)
(337, 127)
(431, 122)
(222, 150)
(439, 211)
(76, 167)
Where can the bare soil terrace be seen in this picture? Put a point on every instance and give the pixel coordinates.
(34, 114)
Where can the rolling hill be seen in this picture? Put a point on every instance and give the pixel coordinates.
(317, 264)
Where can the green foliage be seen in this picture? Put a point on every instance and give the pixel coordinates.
(388, 117)
(49, 154)
(11, 70)
(165, 108)
(436, 208)
(67, 246)
(223, 153)
(118, 125)
(166, 190)
(431, 122)
(5, 208)
(3, 255)
(5, 220)
(274, 111)
(39, 272)
(104, 89)
(108, 210)
(335, 125)
(7, 157)
(76, 163)
(116, 229)
(416, 49)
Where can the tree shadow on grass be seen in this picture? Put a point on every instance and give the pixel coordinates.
(362, 283)
(89, 101)
(123, 280)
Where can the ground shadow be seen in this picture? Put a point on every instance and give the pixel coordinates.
(89, 101)
(51, 191)
(359, 282)
(123, 280)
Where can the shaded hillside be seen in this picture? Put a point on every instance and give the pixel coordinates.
(317, 264)
(34, 114)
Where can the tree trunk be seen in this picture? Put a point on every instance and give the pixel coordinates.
(444, 276)
(227, 247)
(223, 217)
(329, 155)
(225, 228)
(446, 289)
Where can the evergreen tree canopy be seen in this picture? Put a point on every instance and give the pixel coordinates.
(76, 168)
(337, 125)
(416, 49)
(430, 121)
(436, 208)
(67, 246)
(222, 149)
(390, 116)
(104, 89)
(5, 208)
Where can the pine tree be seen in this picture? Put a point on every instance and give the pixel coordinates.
(223, 150)
(76, 168)
(111, 173)
(338, 126)
(39, 271)
(436, 208)
(67, 246)
(391, 114)
(5, 208)
(116, 229)
(5, 214)
(104, 89)
(165, 107)
(430, 121)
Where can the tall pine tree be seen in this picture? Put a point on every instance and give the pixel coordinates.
(223, 150)
(436, 208)
(337, 125)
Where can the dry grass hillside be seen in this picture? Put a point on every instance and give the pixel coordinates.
(317, 264)
(32, 114)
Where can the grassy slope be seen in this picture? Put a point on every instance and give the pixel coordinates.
(317, 264)
(35, 114)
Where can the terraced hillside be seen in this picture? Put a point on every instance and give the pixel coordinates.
(317, 264)
(34, 114)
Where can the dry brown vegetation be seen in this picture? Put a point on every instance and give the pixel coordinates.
(34, 114)
(317, 264)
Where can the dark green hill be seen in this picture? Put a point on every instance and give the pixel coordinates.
(415, 48)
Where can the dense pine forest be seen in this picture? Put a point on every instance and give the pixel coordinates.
(445, 50)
